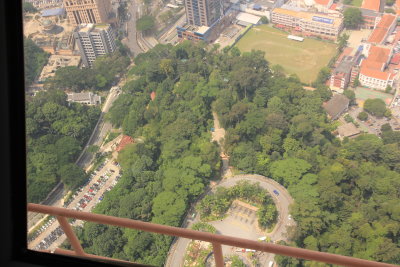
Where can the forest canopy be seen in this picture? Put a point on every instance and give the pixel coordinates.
(346, 193)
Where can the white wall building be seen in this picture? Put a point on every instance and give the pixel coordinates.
(94, 41)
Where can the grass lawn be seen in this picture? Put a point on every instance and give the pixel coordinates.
(302, 58)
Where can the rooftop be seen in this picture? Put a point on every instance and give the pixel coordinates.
(53, 12)
(248, 18)
(381, 30)
(322, 2)
(309, 16)
(348, 130)
(336, 105)
(371, 5)
(126, 140)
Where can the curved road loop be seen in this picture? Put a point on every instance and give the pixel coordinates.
(282, 202)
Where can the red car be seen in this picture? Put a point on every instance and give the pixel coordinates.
(83, 205)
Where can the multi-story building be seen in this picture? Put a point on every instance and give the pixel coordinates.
(373, 73)
(308, 23)
(94, 41)
(370, 18)
(203, 12)
(87, 11)
(342, 74)
(383, 29)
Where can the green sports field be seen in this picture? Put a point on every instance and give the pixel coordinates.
(302, 58)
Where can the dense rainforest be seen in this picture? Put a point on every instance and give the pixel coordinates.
(346, 192)
(56, 132)
(34, 58)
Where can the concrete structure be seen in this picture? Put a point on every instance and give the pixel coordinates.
(87, 98)
(94, 41)
(40, 4)
(336, 106)
(193, 33)
(203, 12)
(343, 73)
(373, 73)
(310, 24)
(370, 18)
(348, 130)
(246, 19)
(55, 62)
(383, 29)
(87, 11)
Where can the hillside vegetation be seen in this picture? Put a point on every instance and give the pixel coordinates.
(346, 194)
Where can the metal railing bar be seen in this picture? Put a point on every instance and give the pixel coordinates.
(218, 256)
(208, 237)
(69, 232)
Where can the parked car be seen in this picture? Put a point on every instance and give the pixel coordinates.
(276, 192)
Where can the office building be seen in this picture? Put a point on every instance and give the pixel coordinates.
(203, 12)
(87, 11)
(94, 41)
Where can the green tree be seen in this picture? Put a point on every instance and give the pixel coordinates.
(29, 8)
(145, 23)
(264, 20)
(35, 58)
(376, 107)
(352, 18)
(363, 116)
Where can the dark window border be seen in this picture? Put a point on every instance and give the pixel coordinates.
(13, 215)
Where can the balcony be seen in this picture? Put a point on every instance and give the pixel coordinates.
(216, 240)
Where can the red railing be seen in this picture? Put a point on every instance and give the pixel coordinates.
(216, 240)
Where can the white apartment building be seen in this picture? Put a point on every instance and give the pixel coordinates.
(94, 41)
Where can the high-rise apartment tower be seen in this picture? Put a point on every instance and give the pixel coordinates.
(203, 12)
(87, 11)
(94, 41)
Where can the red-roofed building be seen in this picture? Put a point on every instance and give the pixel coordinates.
(372, 71)
(323, 5)
(126, 140)
(371, 5)
(334, 6)
(396, 7)
(383, 29)
(395, 59)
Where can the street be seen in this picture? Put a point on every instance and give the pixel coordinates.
(131, 40)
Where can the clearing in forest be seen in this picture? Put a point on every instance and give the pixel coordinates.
(302, 58)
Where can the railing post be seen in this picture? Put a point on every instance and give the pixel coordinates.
(218, 257)
(69, 232)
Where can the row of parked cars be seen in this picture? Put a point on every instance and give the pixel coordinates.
(41, 229)
(82, 203)
(47, 241)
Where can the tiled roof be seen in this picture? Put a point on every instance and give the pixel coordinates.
(378, 54)
(348, 129)
(377, 74)
(396, 59)
(322, 2)
(333, 6)
(379, 33)
(126, 140)
(371, 4)
(153, 95)
(336, 105)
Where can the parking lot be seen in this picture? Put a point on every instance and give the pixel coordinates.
(86, 197)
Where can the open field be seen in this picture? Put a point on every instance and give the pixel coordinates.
(302, 58)
(363, 94)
